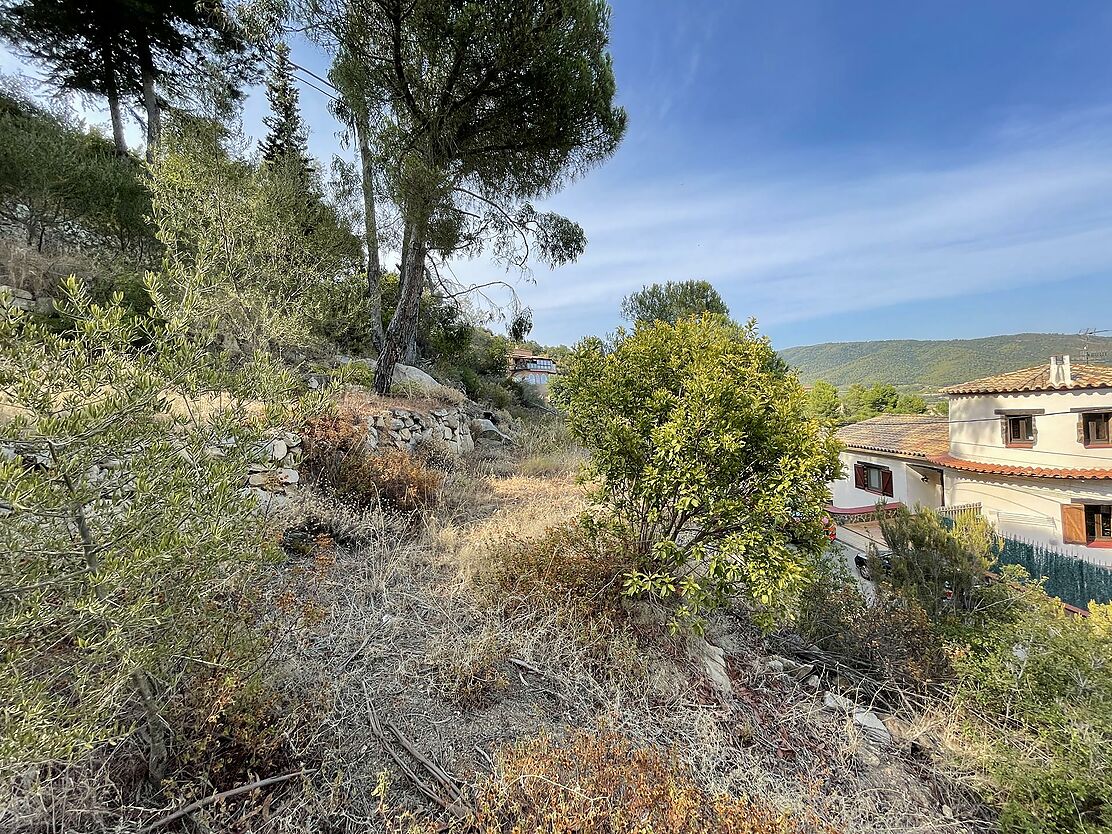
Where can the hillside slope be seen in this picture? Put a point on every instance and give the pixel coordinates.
(929, 365)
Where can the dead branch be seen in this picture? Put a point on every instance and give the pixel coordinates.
(216, 797)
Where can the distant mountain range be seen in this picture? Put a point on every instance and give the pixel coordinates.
(927, 366)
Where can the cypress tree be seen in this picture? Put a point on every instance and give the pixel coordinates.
(287, 139)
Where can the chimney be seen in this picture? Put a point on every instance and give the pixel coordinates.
(1060, 376)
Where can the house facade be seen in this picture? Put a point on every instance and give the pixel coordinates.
(1033, 448)
(535, 369)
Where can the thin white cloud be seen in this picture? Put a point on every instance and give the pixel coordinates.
(795, 246)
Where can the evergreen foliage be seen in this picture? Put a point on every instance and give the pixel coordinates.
(703, 452)
(671, 301)
(463, 156)
(287, 138)
(63, 185)
(127, 543)
(270, 258)
(121, 50)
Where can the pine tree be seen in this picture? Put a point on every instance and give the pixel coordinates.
(287, 138)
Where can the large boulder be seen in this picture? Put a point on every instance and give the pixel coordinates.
(404, 374)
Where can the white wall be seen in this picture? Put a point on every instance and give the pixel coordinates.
(1056, 443)
(1029, 508)
(907, 483)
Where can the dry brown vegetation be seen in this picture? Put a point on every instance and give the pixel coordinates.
(489, 631)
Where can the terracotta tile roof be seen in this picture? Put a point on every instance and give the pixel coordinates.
(1036, 379)
(951, 462)
(913, 435)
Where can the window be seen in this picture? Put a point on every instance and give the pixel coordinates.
(1095, 429)
(873, 478)
(1020, 430)
(1098, 522)
(1089, 524)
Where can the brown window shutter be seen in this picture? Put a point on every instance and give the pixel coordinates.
(886, 482)
(1081, 429)
(859, 475)
(1073, 524)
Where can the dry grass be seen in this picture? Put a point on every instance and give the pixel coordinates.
(603, 784)
(469, 629)
(467, 655)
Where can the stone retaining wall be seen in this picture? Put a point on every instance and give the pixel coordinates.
(404, 428)
(25, 300)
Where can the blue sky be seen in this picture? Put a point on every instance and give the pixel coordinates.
(842, 170)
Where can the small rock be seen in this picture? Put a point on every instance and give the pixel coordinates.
(278, 449)
(713, 661)
(258, 478)
(484, 429)
(872, 726)
(288, 476)
(837, 703)
(813, 683)
(774, 666)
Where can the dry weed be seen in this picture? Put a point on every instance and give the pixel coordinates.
(600, 783)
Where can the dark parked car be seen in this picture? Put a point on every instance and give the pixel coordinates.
(861, 562)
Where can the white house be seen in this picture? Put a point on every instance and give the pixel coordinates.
(1032, 447)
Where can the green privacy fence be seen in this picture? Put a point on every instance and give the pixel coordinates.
(1072, 580)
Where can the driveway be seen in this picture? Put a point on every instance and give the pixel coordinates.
(853, 544)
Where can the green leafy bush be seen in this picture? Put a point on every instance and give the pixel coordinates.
(703, 449)
(1040, 683)
(127, 543)
(943, 570)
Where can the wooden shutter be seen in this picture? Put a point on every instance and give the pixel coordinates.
(859, 475)
(1081, 429)
(886, 482)
(1073, 524)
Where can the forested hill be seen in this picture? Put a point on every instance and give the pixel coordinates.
(929, 365)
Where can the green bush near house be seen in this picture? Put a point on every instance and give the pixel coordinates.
(1027, 686)
(702, 449)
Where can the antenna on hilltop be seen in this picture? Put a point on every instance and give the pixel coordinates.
(1088, 355)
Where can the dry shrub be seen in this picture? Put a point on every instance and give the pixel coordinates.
(336, 456)
(579, 565)
(470, 669)
(602, 784)
(395, 478)
(229, 727)
(330, 441)
(889, 635)
(435, 453)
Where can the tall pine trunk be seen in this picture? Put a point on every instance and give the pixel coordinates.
(374, 268)
(150, 97)
(403, 324)
(112, 93)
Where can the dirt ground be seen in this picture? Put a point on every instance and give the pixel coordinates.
(394, 621)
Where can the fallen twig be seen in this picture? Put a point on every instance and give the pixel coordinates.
(216, 797)
(454, 805)
(528, 666)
